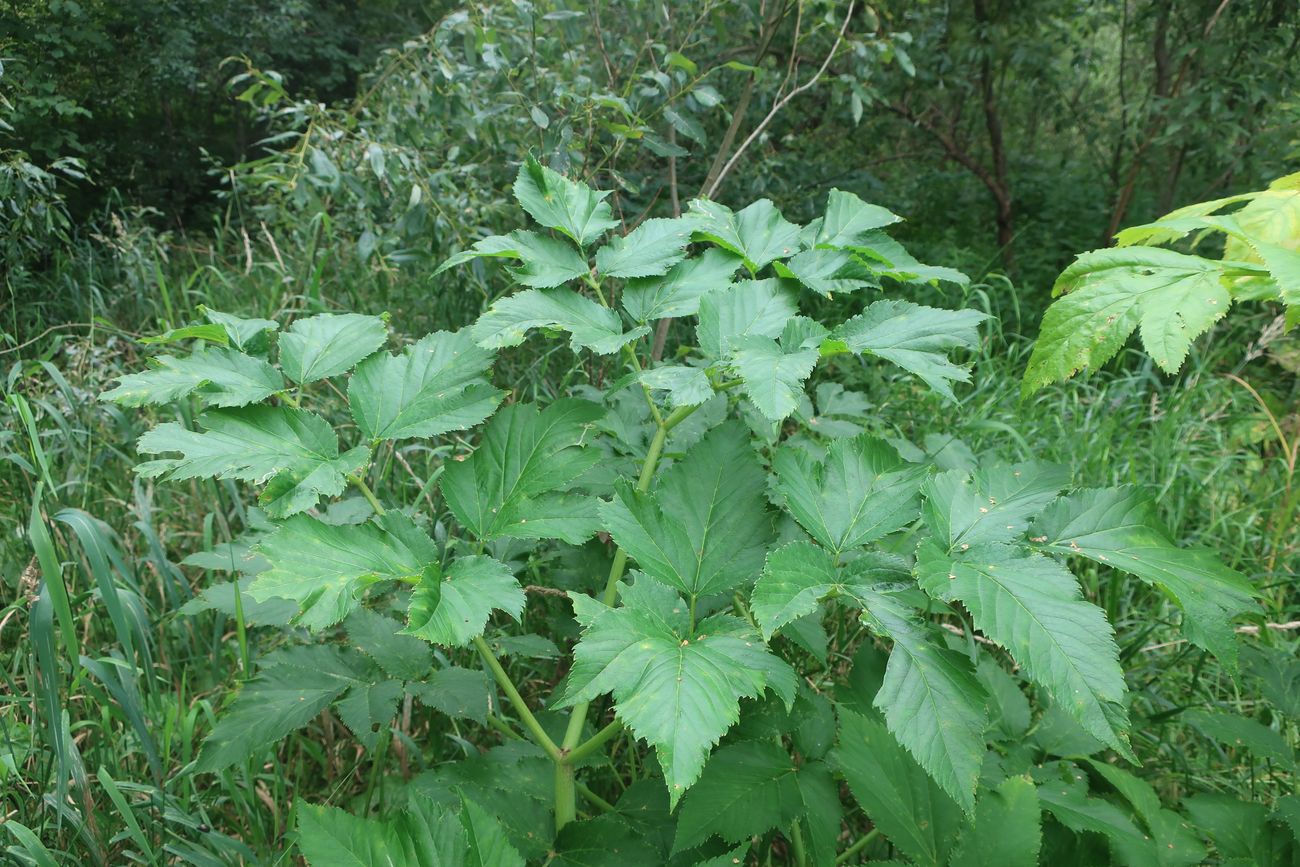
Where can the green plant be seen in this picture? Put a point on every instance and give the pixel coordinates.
(753, 532)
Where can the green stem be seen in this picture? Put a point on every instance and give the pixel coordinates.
(566, 802)
(495, 722)
(525, 715)
(361, 486)
(593, 743)
(796, 843)
(847, 855)
(597, 801)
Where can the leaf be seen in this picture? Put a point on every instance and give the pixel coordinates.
(453, 609)
(1007, 831)
(678, 292)
(746, 790)
(323, 566)
(368, 709)
(758, 233)
(435, 386)
(649, 250)
(457, 692)
(797, 576)
(219, 376)
(704, 528)
(1031, 605)
(677, 688)
(488, 846)
(378, 637)
(861, 492)
(827, 271)
(848, 219)
(513, 484)
(750, 307)
(915, 338)
(1241, 732)
(900, 799)
(1171, 842)
(328, 344)
(686, 386)
(773, 374)
(244, 334)
(1068, 802)
(290, 690)
(605, 841)
(1119, 527)
(590, 326)
(993, 504)
(544, 262)
(933, 704)
(292, 450)
(1171, 298)
(558, 203)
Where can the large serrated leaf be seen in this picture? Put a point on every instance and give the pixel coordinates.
(328, 344)
(757, 233)
(590, 325)
(993, 504)
(435, 386)
(292, 450)
(678, 292)
(848, 219)
(453, 609)
(750, 307)
(561, 204)
(544, 261)
(649, 250)
(772, 373)
(513, 484)
(797, 576)
(218, 376)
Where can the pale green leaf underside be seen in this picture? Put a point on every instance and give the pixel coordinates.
(328, 344)
(218, 376)
(590, 325)
(686, 386)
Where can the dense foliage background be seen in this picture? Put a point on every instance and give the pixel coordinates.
(274, 159)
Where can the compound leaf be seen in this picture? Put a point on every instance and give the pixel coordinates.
(435, 386)
(219, 376)
(558, 203)
(453, 609)
(590, 326)
(512, 485)
(328, 344)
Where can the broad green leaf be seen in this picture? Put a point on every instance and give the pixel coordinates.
(686, 386)
(590, 326)
(1241, 732)
(757, 233)
(330, 837)
(453, 609)
(513, 484)
(1171, 842)
(291, 689)
(1241, 830)
(1031, 605)
(823, 812)
(209, 332)
(797, 576)
(378, 637)
(324, 566)
(848, 219)
(993, 504)
(932, 702)
(901, 800)
(826, 271)
(544, 262)
(750, 307)
(1007, 831)
(678, 292)
(488, 846)
(328, 344)
(915, 338)
(1272, 216)
(1171, 298)
(746, 790)
(606, 841)
(368, 709)
(558, 203)
(435, 386)
(677, 688)
(293, 451)
(219, 376)
(1119, 527)
(457, 692)
(1066, 797)
(704, 528)
(648, 250)
(861, 492)
(244, 334)
(773, 373)
(887, 257)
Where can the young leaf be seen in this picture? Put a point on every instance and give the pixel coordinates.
(1119, 527)
(677, 688)
(797, 576)
(221, 377)
(678, 292)
(915, 338)
(513, 483)
(328, 344)
(750, 307)
(848, 219)
(758, 233)
(1007, 831)
(686, 386)
(704, 528)
(932, 702)
(1031, 605)
(322, 566)
(544, 262)
(295, 452)
(590, 326)
(774, 374)
(900, 799)
(453, 609)
(244, 334)
(648, 250)
(435, 386)
(559, 203)
(1171, 297)
(993, 504)
(861, 492)
(746, 790)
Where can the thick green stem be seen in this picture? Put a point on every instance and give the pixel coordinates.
(593, 743)
(361, 486)
(566, 802)
(796, 843)
(525, 715)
